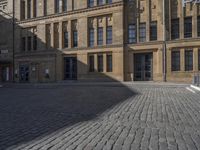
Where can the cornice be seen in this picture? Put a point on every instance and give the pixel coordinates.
(106, 6)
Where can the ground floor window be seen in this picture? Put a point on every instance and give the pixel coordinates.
(175, 60)
(188, 60)
(109, 63)
(91, 63)
(100, 63)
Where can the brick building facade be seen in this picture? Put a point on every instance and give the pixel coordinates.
(106, 40)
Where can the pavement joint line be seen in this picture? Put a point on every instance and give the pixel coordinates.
(195, 87)
(189, 89)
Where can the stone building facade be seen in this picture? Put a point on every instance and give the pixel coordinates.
(6, 47)
(106, 40)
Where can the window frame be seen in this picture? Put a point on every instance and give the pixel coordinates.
(187, 27)
(109, 63)
(175, 61)
(188, 60)
(109, 34)
(132, 34)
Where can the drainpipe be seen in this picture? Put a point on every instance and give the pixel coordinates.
(13, 41)
(164, 44)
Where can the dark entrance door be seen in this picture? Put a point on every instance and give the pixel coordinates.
(70, 64)
(24, 73)
(143, 67)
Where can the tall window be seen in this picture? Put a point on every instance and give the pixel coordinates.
(91, 37)
(23, 10)
(175, 29)
(131, 33)
(91, 63)
(23, 44)
(108, 1)
(29, 9)
(199, 58)
(45, 7)
(100, 36)
(48, 36)
(188, 27)
(90, 3)
(35, 42)
(142, 32)
(99, 2)
(109, 63)
(66, 39)
(188, 60)
(57, 5)
(64, 5)
(100, 63)
(29, 44)
(34, 8)
(175, 60)
(198, 26)
(109, 35)
(75, 38)
(153, 31)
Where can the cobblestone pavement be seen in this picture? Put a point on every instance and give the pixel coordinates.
(118, 117)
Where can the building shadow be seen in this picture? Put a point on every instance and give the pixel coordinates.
(32, 111)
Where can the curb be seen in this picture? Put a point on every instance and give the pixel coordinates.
(195, 87)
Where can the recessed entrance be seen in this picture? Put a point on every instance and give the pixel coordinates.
(70, 66)
(143, 67)
(24, 73)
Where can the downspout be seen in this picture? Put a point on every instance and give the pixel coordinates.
(13, 41)
(164, 44)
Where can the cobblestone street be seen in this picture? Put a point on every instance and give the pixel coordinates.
(146, 116)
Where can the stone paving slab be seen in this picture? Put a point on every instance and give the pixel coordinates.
(134, 117)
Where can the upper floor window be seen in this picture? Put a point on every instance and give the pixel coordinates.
(23, 44)
(29, 9)
(66, 39)
(57, 6)
(153, 31)
(99, 2)
(142, 32)
(64, 5)
(75, 38)
(23, 10)
(108, 1)
(34, 8)
(29, 44)
(188, 60)
(175, 29)
(91, 37)
(45, 8)
(198, 25)
(35, 42)
(188, 27)
(100, 36)
(48, 35)
(175, 60)
(109, 35)
(90, 3)
(131, 33)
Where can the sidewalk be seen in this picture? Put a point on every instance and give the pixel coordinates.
(89, 83)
